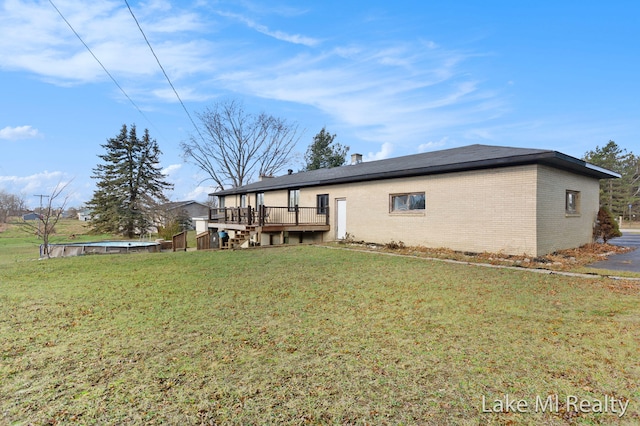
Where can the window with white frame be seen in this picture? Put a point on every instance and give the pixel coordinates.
(259, 199)
(294, 198)
(221, 201)
(243, 200)
(409, 202)
(572, 202)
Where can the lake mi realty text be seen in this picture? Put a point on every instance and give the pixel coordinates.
(555, 404)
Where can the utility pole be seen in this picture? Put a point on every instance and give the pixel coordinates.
(40, 212)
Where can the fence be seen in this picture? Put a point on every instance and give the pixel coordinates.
(271, 215)
(180, 241)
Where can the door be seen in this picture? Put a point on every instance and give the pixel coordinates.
(341, 219)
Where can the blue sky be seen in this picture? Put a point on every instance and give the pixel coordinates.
(389, 78)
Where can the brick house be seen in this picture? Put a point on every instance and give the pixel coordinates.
(473, 198)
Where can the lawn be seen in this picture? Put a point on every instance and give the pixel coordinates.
(309, 335)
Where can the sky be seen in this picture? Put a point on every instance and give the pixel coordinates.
(388, 78)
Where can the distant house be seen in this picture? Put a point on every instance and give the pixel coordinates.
(474, 198)
(183, 209)
(31, 216)
(84, 215)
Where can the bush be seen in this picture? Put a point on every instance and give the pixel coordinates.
(167, 232)
(606, 227)
(392, 245)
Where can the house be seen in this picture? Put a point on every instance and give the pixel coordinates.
(475, 198)
(181, 210)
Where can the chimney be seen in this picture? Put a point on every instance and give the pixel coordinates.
(263, 177)
(289, 172)
(356, 159)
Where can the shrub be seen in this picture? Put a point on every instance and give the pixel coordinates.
(392, 245)
(606, 227)
(167, 232)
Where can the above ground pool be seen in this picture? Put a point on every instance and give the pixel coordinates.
(100, 247)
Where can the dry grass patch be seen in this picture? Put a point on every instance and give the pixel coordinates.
(562, 260)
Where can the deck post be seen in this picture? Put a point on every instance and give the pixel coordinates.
(297, 215)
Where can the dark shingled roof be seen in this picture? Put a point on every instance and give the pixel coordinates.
(472, 157)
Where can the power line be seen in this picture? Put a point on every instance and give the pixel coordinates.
(162, 68)
(98, 61)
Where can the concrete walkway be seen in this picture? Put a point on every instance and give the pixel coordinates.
(626, 261)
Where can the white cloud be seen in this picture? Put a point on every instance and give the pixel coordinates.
(279, 35)
(20, 132)
(424, 147)
(171, 169)
(199, 193)
(385, 152)
(38, 183)
(33, 37)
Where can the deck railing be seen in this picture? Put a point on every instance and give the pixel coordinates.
(267, 215)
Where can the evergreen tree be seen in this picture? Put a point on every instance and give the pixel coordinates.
(324, 153)
(129, 184)
(617, 194)
(607, 227)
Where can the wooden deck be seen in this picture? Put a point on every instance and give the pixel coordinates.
(248, 223)
(270, 219)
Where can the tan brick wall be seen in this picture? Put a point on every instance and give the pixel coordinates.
(514, 210)
(556, 229)
(464, 211)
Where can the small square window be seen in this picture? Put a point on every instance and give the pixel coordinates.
(572, 202)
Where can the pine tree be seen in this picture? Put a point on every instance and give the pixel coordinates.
(129, 184)
(617, 194)
(607, 227)
(322, 153)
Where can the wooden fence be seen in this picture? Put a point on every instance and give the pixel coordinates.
(180, 241)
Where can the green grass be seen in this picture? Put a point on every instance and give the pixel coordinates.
(306, 335)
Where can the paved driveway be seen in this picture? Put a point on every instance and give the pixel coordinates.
(626, 261)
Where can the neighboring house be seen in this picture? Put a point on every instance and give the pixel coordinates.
(474, 198)
(31, 216)
(84, 215)
(178, 209)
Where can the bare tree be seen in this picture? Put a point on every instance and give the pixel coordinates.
(10, 205)
(233, 147)
(49, 215)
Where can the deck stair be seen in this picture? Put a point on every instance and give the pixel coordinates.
(240, 238)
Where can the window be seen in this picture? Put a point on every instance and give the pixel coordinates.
(243, 200)
(294, 198)
(322, 202)
(572, 202)
(407, 202)
(221, 202)
(259, 199)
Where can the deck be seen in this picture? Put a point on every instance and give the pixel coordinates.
(271, 219)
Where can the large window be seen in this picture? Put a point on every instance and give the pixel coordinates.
(572, 202)
(322, 203)
(221, 202)
(243, 200)
(411, 202)
(259, 199)
(294, 198)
